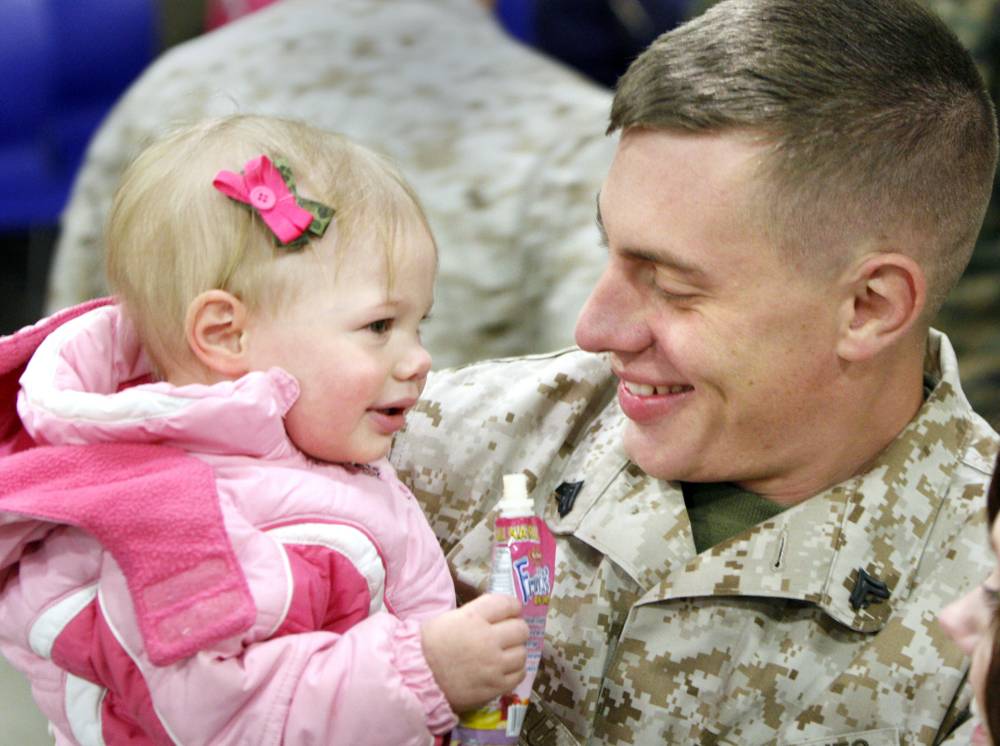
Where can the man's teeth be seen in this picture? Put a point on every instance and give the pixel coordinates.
(645, 389)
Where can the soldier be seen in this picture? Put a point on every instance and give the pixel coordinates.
(762, 473)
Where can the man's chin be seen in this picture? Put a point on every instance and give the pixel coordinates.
(652, 457)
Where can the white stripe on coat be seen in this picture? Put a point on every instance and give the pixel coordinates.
(348, 541)
(83, 710)
(53, 620)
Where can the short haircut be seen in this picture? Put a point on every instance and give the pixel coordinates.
(876, 122)
(171, 235)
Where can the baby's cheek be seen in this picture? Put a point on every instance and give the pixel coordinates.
(310, 430)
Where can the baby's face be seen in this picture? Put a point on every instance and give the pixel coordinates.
(354, 346)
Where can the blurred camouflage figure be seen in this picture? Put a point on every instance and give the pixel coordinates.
(764, 478)
(971, 316)
(503, 145)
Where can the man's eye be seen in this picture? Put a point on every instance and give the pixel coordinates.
(670, 290)
(674, 297)
(381, 326)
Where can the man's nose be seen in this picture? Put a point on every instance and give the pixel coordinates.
(961, 621)
(613, 318)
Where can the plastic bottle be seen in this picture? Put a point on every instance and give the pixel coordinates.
(523, 565)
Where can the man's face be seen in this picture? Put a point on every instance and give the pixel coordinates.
(723, 348)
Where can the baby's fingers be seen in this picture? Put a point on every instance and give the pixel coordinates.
(511, 680)
(513, 662)
(494, 607)
(511, 632)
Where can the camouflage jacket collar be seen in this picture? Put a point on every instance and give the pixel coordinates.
(877, 522)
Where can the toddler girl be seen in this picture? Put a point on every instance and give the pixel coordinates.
(282, 586)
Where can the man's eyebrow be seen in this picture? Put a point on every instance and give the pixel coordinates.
(661, 257)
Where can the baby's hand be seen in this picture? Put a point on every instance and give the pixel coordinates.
(477, 652)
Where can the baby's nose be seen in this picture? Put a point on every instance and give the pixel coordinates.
(415, 364)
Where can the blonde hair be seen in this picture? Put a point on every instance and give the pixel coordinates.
(171, 235)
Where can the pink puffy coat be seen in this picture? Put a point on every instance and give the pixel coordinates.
(245, 596)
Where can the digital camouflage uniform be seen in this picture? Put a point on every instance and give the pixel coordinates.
(754, 641)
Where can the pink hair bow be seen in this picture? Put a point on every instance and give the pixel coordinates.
(262, 186)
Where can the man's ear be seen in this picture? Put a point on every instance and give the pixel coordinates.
(215, 328)
(886, 296)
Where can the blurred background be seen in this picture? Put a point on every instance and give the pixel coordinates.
(66, 63)
(498, 121)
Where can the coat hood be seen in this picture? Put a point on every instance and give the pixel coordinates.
(89, 382)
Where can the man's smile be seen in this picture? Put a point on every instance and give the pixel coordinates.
(645, 389)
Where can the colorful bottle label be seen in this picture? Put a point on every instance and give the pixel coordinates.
(523, 566)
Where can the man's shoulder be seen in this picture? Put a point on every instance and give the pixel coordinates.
(519, 384)
(478, 422)
(502, 410)
(495, 408)
(567, 356)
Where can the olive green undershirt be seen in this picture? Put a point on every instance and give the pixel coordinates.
(720, 510)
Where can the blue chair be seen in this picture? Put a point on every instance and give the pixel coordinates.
(518, 18)
(597, 37)
(31, 189)
(64, 63)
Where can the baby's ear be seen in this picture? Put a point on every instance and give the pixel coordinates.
(215, 328)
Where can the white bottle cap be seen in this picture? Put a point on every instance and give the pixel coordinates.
(515, 501)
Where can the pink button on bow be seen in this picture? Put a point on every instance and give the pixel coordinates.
(262, 187)
(262, 198)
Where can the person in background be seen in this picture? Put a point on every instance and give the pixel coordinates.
(503, 145)
(762, 473)
(969, 316)
(972, 622)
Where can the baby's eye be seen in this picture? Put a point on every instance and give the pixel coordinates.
(382, 326)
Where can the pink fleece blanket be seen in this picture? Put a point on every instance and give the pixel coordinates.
(154, 508)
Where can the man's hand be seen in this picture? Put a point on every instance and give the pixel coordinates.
(477, 652)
